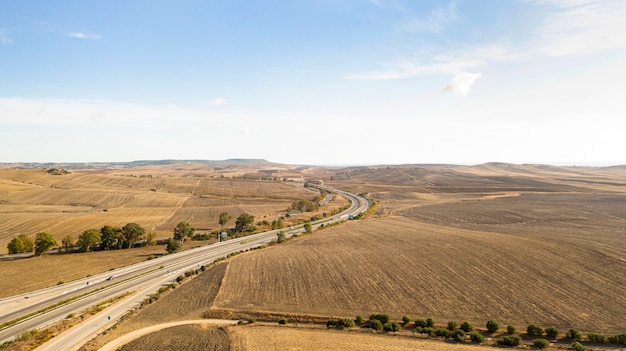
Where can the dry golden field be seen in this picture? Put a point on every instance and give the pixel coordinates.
(520, 244)
(183, 338)
(157, 198)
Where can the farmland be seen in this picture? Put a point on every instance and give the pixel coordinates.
(520, 244)
(36, 200)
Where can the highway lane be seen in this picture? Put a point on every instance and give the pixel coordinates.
(143, 278)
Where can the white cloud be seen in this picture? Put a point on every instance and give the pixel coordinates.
(79, 35)
(219, 101)
(5, 39)
(444, 63)
(574, 27)
(435, 21)
(462, 82)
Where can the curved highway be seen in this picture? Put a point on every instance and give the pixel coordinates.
(142, 279)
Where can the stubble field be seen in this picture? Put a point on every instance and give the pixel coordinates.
(519, 244)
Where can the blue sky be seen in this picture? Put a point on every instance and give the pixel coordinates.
(314, 81)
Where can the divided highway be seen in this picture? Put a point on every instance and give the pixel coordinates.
(141, 279)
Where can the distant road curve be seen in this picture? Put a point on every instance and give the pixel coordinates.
(142, 279)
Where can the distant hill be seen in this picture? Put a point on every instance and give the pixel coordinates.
(140, 163)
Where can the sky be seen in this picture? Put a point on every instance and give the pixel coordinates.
(321, 82)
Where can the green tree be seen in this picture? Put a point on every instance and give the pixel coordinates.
(281, 236)
(278, 224)
(541, 343)
(430, 322)
(243, 222)
(576, 346)
(67, 244)
(552, 332)
(467, 326)
(492, 326)
(88, 240)
(383, 318)
(132, 232)
(224, 218)
(308, 227)
(452, 325)
(15, 246)
(20, 244)
(534, 330)
(111, 238)
(173, 245)
(510, 329)
(376, 324)
(477, 338)
(183, 230)
(574, 334)
(150, 239)
(43, 243)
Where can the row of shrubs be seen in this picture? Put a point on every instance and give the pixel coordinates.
(460, 332)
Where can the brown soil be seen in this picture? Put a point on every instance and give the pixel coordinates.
(183, 338)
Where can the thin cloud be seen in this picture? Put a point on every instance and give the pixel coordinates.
(79, 35)
(219, 101)
(5, 39)
(575, 27)
(462, 82)
(436, 21)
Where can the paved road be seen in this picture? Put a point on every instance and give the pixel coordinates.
(142, 279)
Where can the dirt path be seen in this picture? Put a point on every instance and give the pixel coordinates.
(126, 338)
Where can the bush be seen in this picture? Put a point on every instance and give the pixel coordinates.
(430, 331)
(430, 322)
(406, 319)
(452, 325)
(492, 326)
(340, 323)
(576, 346)
(552, 332)
(510, 329)
(359, 319)
(534, 330)
(442, 333)
(597, 338)
(574, 334)
(392, 326)
(541, 343)
(376, 324)
(467, 327)
(282, 321)
(458, 335)
(477, 338)
(509, 340)
(420, 323)
(618, 339)
(383, 318)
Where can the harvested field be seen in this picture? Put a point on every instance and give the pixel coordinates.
(183, 338)
(41, 272)
(402, 267)
(34, 200)
(256, 337)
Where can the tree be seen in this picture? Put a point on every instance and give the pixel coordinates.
(452, 325)
(132, 232)
(20, 244)
(67, 244)
(183, 230)
(308, 227)
(150, 239)
(281, 236)
(111, 238)
(492, 326)
(541, 343)
(466, 326)
(43, 243)
(534, 330)
(574, 334)
(552, 332)
(173, 245)
(477, 338)
(224, 218)
(88, 239)
(243, 222)
(376, 324)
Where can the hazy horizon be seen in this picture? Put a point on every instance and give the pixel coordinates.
(314, 82)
